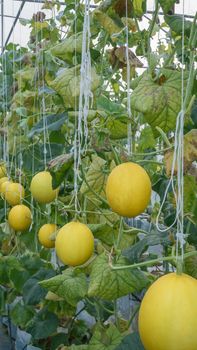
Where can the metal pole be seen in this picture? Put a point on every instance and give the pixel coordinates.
(13, 25)
(43, 1)
(95, 6)
(2, 25)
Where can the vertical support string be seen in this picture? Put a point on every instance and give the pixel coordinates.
(129, 131)
(85, 99)
(180, 157)
(178, 161)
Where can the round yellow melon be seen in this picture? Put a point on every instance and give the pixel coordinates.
(20, 218)
(74, 243)
(128, 189)
(168, 314)
(3, 180)
(14, 193)
(45, 233)
(41, 188)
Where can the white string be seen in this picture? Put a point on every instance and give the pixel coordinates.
(85, 99)
(129, 131)
(178, 161)
(33, 151)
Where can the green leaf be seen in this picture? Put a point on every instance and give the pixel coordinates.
(106, 22)
(59, 167)
(31, 262)
(52, 150)
(137, 6)
(43, 325)
(161, 98)
(21, 314)
(111, 284)
(2, 300)
(108, 234)
(175, 22)
(105, 104)
(24, 21)
(105, 338)
(146, 140)
(24, 77)
(118, 129)
(166, 5)
(21, 111)
(71, 285)
(131, 341)
(6, 264)
(53, 122)
(33, 293)
(190, 263)
(190, 197)
(67, 84)
(18, 278)
(133, 253)
(104, 232)
(67, 47)
(95, 177)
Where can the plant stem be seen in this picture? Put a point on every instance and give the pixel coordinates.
(164, 136)
(120, 232)
(193, 33)
(192, 73)
(133, 315)
(179, 265)
(142, 40)
(100, 209)
(152, 24)
(149, 161)
(151, 262)
(116, 314)
(105, 308)
(116, 157)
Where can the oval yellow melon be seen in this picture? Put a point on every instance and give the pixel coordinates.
(20, 218)
(14, 193)
(4, 187)
(168, 314)
(128, 189)
(41, 188)
(3, 180)
(74, 243)
(45, 233)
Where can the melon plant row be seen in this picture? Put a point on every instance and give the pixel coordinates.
(83, 263)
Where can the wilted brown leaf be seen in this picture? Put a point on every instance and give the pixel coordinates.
(118, 57)
(190, 152)
(120, 7)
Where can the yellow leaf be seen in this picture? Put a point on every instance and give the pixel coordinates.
(190, 152)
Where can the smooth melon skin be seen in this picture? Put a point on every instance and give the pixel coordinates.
(128, 189)
(20, 218)
(168, 314)
(45, 233)
(3, 180)
(41, 188)
(14, 193)
(74, 243)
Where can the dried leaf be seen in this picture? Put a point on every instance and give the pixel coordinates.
(190, 152)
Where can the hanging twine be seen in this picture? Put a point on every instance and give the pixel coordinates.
(178, 162)
(129, 131)
(85, 99)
